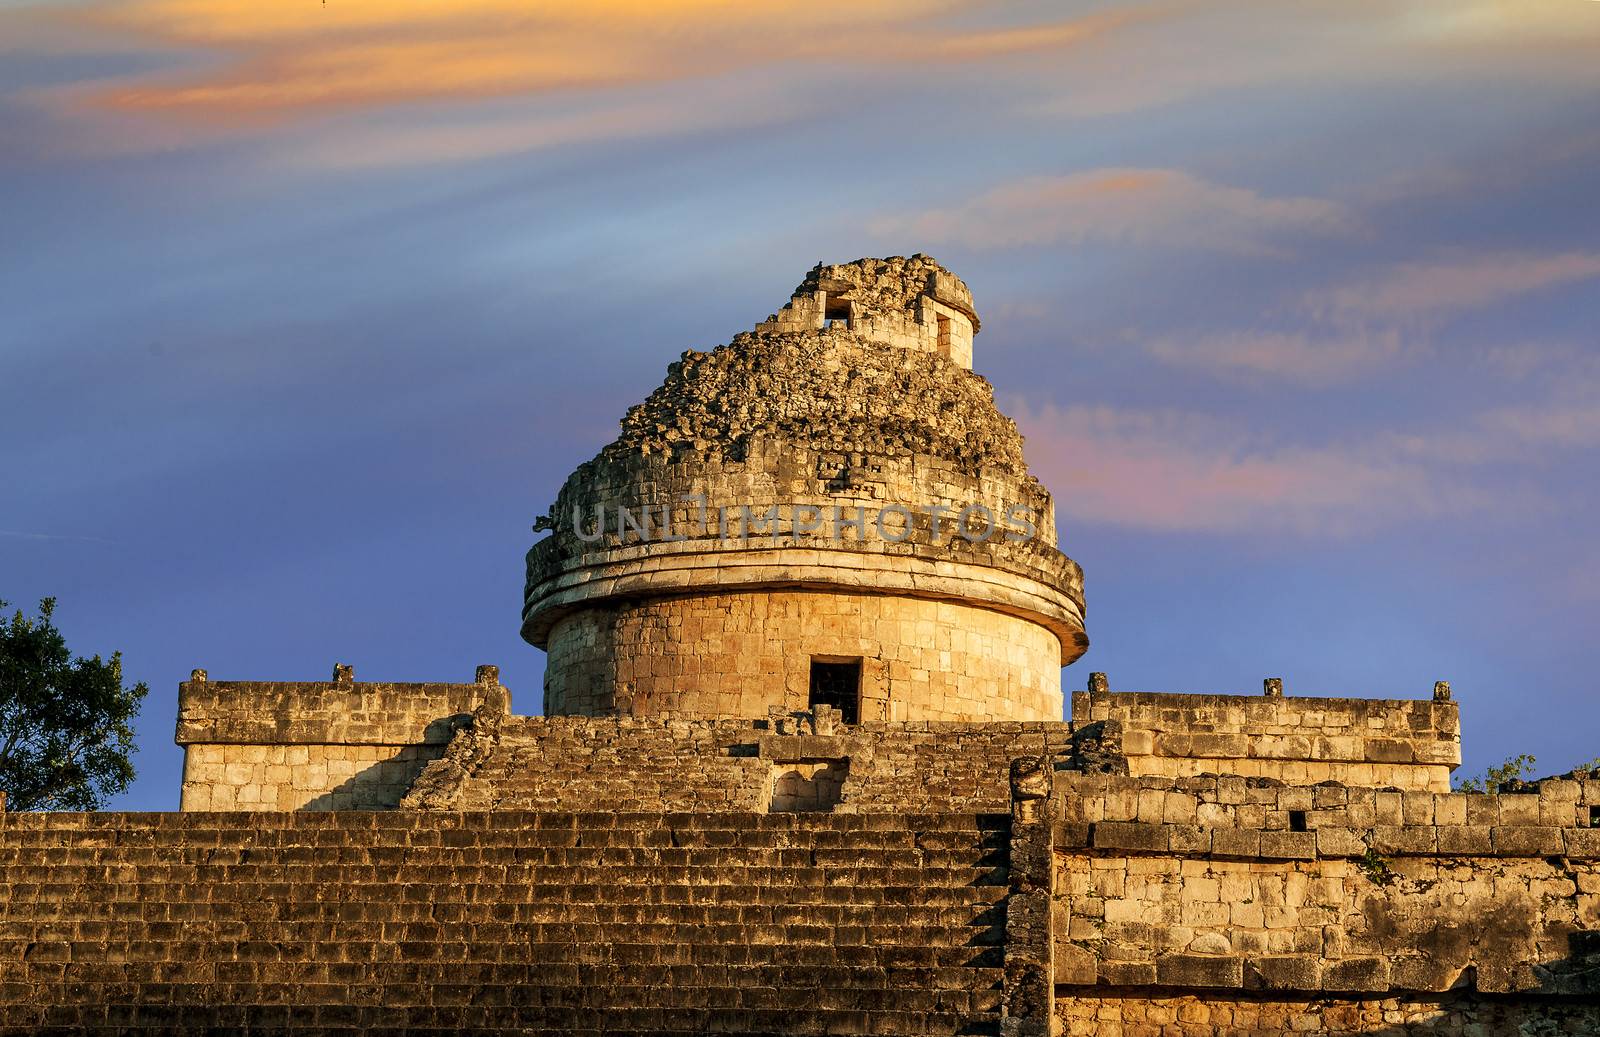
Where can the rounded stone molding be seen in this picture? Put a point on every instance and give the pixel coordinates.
(628, 574)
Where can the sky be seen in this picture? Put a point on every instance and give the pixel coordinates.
(307, 309)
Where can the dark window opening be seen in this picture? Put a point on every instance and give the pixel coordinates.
(944, 334)
(1594, 817)
(836, 309)
(837, 684)
(1297, 820)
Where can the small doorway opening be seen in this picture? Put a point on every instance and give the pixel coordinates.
(836, 682)
(836, 310)
(944, 335)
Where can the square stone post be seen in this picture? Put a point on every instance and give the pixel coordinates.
(1029, 985)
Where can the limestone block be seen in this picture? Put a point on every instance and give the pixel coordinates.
(1463, 840)
(1526, 841)
(1075, 965)
(1362, 974)
(1390, 839)
(1283, 845)
(1450, 809)
(1483, 810)
(1339, 842)
(1390, 809)
(1582, 843)
(1118, 835)
(1423, 973)
(1200, 970)
(1236, 842)
(1128, 973)
(1189, 839)
(1284, 972)
(1520, 811)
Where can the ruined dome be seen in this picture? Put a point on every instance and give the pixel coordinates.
(840, 469)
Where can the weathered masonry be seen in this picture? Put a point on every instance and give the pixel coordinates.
(829, 502)
(1222, 904)
(1412, 745)
(809, 779)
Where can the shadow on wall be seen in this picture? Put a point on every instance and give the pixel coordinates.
(808, 785)
(1488, 1015)
(380, 786)
(1461, 1014)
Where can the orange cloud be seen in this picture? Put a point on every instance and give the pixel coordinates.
(1126, 206)
(466, 139)
(285, 59)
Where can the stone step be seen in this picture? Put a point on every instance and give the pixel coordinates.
(188, 981)
(754, 885)
(135, 941)
(336, 1021)
(872, 990)
(726, 845)
(534, 923)
(128, 919)
(148, 829)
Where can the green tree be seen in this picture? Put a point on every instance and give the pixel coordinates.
(65, 724)
(1515, 769)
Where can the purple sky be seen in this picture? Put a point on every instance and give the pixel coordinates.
(310, 308)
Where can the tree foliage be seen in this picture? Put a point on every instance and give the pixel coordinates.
(1514, 775)
(66, 730)
(1515, 769)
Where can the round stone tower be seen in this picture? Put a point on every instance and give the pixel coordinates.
(828, 510)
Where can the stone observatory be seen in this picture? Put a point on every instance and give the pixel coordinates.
(827, 510)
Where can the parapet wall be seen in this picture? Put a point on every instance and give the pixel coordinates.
(317, 745)
(787, 762)
(909, 303)
(1407, 744)
(1243, 907)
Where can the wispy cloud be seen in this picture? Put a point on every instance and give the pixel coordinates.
(1263, 45)
(1291, 356)
(1373, 321)
(1178, 471)
(1131, 206)
(19, 535)
(465, 138)
(284, 60)
(1424, 289)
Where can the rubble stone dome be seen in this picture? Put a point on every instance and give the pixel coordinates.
(826, 390)
(855, 399)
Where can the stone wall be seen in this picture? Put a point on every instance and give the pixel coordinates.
(1175, 899)
(301, 777)
(317, 745)
(1368, 742)
(1347, 911)
(908, 303)
(626, 763)
(737, 655)
(1142, 1013)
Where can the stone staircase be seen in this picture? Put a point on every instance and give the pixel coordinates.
(566, 764)
(505, 921)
